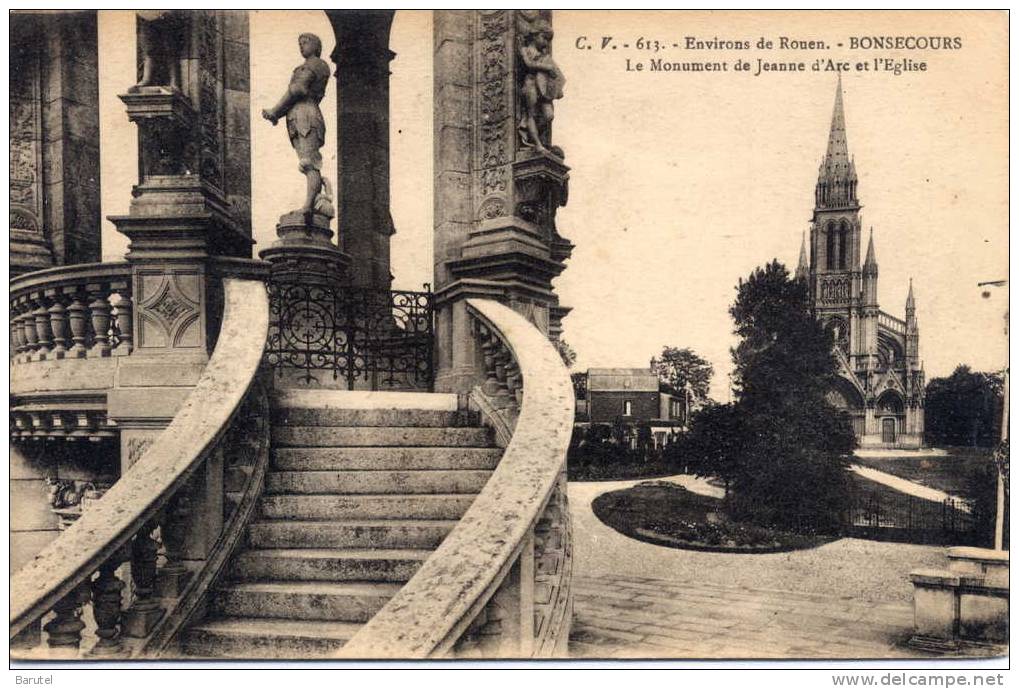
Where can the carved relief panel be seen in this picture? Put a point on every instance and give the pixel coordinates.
(168, 309)
(208, 40)
(25, 141)
(494, 102)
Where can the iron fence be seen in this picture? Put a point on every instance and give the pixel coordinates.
(901, 517)
(353, 337)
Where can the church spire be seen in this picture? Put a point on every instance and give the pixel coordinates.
(838, 149)
(836, 178)
(910, 301)
(802, 268)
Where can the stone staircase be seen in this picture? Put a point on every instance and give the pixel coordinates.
(362, 488)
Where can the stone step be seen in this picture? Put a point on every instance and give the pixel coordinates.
(379, 533)
(304, 600)
(376, 482)
(321, 507)
(328, 564)
(392, 436)
(385, 458)
(304, 416)
(253, 637)
(364, 399)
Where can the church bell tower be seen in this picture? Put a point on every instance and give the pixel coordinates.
(836, 280)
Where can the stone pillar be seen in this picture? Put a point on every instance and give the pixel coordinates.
(54, 140)
(497, 190)
(362, 58)
(190, 206)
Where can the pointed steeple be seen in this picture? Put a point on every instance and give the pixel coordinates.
(838, 150)
(870, 263)
(803, 268)
(836, 178)
(910, 301)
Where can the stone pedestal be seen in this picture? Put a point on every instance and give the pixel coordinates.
(935, 610)
(304, 251)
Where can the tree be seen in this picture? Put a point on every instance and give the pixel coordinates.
(678, 367)
(964, 409)
(567, 353)
(784, 355)
(712, 445)
(782, 447)
(579, 381)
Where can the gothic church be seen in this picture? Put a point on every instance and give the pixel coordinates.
(881, 378)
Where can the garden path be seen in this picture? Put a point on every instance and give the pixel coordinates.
(909, 487)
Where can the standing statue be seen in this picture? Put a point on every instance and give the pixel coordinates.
(305, 124)
(542, 81)
(160, 38)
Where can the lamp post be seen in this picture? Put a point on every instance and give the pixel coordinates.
(999, 518)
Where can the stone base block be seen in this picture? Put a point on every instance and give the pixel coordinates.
(138, 622)
(172, 584)
(934, 604)
(983, 618)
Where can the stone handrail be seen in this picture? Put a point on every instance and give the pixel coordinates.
(491, 553)
(117, 527)
(71, 312)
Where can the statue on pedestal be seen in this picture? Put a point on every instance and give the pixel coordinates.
(305, 124)
(542, 82)
(160, 38)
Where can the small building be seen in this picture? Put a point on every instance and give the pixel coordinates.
(631, 396)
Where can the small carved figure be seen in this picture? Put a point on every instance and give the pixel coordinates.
(305, 124)
(160, 38)
(542, 81)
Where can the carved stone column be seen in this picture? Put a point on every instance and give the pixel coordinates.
(497, 189)
(362, 58)
(54, 140)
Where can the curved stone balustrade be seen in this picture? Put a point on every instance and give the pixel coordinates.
(71, 312)
(499, 585)
(194, 488)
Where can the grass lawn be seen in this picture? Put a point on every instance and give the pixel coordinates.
(665, 514)
(948, 474)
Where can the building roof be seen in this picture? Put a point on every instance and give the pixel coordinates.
(621, 380)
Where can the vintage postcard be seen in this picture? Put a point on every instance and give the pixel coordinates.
(478, 335)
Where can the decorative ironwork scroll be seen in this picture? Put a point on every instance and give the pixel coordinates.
(367, 338)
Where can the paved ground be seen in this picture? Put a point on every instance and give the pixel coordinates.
(849, 598)
(905, 486)
(641, 617)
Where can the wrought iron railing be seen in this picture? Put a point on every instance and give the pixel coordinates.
(330, 335)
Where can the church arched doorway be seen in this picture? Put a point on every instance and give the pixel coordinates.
(892, 412)
(888, 431)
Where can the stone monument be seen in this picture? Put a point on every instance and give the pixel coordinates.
(304, 247)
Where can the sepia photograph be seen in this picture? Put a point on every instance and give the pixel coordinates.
(559, 337)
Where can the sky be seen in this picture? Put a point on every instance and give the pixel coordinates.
(682, 182)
